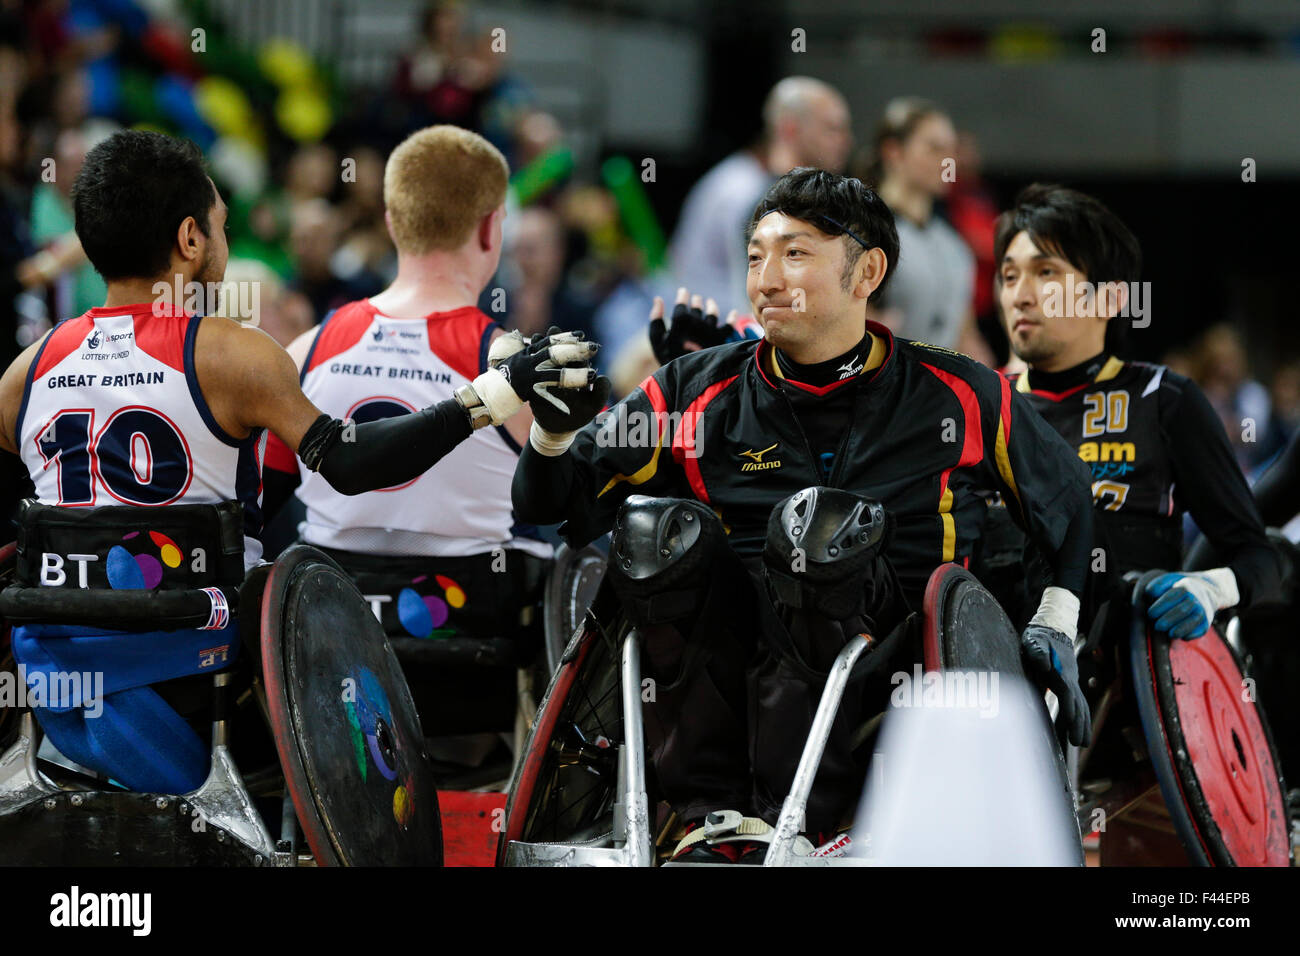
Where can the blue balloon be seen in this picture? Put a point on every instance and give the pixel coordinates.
(176, 100)
(105, 87)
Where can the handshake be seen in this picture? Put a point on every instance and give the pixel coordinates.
(552, 373)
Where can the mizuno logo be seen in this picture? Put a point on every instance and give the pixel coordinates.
(756, 462)
(850, 368)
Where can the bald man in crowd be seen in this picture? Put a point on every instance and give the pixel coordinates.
(805, 123)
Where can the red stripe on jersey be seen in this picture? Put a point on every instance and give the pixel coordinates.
(343, 330)
(821, 389)
(685, 437)
(455, 337)
(163, 337)
(63, 341)
(1042, 392)
(656, 395)
(972, 450)
(279, 456)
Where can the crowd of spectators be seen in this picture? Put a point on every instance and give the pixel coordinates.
(307, 216)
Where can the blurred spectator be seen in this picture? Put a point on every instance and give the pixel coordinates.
(253, 293)
(1222, 371)
(537, 293)
(313, 237)
(973, 212)
(312, 173)
(805, 123)
(366, 255)
(77, 286)
(16, 245)
(1285, 395)
(930, 295)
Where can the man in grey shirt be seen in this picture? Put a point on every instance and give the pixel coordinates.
(806, 123)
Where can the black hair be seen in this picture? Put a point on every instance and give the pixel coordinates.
(838, 206)
(133, 192)
(1079, 229)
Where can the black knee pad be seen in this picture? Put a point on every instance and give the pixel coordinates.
(662, 555)
(825, 552)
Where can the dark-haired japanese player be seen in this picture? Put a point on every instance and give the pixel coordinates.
(1068, 272)
(741, 432)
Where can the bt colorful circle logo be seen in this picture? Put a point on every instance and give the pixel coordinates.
(421, 614)
(127, 571)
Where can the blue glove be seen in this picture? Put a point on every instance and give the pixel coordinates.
(1187, 602)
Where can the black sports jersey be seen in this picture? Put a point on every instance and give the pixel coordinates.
(1155, 449)
(931, 434)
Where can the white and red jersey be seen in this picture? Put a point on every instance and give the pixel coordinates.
(363, 366)
(112, 414)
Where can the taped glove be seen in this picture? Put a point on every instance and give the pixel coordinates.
(1047, 646)
(555, 424)
(528, 372)
(1187, 602)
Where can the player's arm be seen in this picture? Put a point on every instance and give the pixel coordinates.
(1210, 483)
(12, 386)
(1048, 491)
(1046, 488)
(256, 382)
(280, 474)
(582, 478)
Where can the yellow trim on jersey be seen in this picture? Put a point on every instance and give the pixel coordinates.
(642, 474)
(949, 526)
(1003, 459)
(1109, 370)
(875, 358)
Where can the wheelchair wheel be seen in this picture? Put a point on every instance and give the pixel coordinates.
(966, 629)
(565, 786)
(572, 586)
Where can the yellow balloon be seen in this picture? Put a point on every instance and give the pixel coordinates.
(224, 105)
(286, 64)
(303, 113)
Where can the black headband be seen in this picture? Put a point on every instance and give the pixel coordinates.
(847, 231)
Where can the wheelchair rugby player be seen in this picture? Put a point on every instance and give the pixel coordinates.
(143, 429)
(791, 494)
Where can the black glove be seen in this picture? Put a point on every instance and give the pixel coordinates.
(568, 409)
(1049, 660)
(688, 325)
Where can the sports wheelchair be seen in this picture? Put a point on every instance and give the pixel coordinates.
(314, 734)
(1182, 768)
(581, 794)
